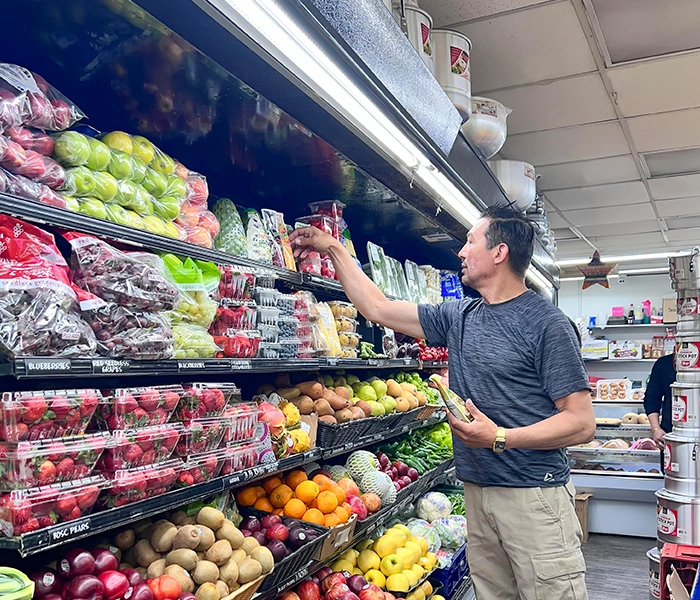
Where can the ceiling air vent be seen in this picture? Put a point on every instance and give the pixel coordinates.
(434, 238)
(673, 162)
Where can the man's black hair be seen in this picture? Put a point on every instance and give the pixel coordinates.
(512, 228)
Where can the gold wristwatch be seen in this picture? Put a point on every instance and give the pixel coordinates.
(499, 444)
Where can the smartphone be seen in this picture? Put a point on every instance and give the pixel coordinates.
(452, 401)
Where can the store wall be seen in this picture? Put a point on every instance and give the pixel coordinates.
(598, 301)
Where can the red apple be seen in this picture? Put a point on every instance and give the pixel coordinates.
(406, 480)
(397, 486)
(394, 473)
(12, 155)
(270, 520)
(40, 111)
(333, 579)
(412, 474)
(33, 167)
(289, 596)
(349, 596)
(357, 583)
(308, 590)
(62, 115)
(323, 573)
(54, 176)
(374, 592)
(278, 531)
(387, 595)
(337, 591)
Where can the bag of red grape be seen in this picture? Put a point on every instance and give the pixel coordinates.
(27, 99)
(38, 305)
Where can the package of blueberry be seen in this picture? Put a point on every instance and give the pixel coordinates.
(289, 348)
(270, 350)
(288, 327)
(268, 315)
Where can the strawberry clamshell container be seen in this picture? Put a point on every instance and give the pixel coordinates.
(140, 447)
(131, 485)
(202, 400)
(201, 468)
(127, 408)
(239, 457)
(203, 435)
(244, 419)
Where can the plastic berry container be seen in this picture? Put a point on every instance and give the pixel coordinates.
(201, 468)
(343, 309)
(34, 463)
(203, 435)
(241, 344)
(311, 264)
(22, 511)
(348, 352)
(131, 485)
(329, 208)
(289, 348)
(235, 283)
(202, 400)
(244, 418)
(287, 304)
(306, 349)
(288, 327)
(269, 333)
(269, 350)
(46, 414)
(127, 408)
(140, 447)
(345, 325)
(304, 329)
(265, 279)
(234, 314)
(349, 340)
(268, 315)
(266, 296)
(239, 457)
(324, 223)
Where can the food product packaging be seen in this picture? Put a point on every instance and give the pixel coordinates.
(332, 209)
(236, 284)
(349, 339)
(269, 349)
(289, 348)
(266, 296)
(31, 139)
(203, 435)
(244, 418)
(23, 511)
(239, 457)
(234, 315)
(30, 164)
(43, 462)
(288, 327)
(27, 99)
(130, 448)
(324, 332)
(345, 325)
(127, 408)
(268, 315)
(20, 186)
(201, 468)
(232, 236)
(206, 400)
(193, 341)
(131, 485)
(348, 352)
(287, 304)
(46, 414)
(452, 401)
(343, 309)
(194, 304)
(378, 267)
(311, 263)
(239, 344)
(259, 243)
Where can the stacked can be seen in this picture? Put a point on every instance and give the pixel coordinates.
(678, 503)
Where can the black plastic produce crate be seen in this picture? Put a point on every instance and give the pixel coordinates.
(330, 435)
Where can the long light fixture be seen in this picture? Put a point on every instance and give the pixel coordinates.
(571, 262)
(271, 26)
(649, 271)
(539, 281)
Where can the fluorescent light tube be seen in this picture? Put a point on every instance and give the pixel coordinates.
(570, 262)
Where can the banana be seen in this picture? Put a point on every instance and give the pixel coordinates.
(12, 580)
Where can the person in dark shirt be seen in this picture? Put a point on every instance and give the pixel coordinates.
(657, 400)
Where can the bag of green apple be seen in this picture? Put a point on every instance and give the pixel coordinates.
(211, 276)
(194, 305)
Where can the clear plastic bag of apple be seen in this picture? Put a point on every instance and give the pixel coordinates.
(31, 164)
(26, 98)
(194, 302)
(20, 186)
(127, 279)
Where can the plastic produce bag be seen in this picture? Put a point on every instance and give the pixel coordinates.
(422, 528)
(324, 333)
(192, 341)
(31, 139)
(194, 304)
(232, 237)
(119, 277)
(282, 254)
(433, 505)
(28, 163)
(31, 190)
(27, 99)
(258, 241)
(38, 308)
(451, 530)
(377, 263)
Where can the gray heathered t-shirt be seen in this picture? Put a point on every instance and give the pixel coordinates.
(513, 360)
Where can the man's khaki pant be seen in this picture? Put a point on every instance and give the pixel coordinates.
(524, 543)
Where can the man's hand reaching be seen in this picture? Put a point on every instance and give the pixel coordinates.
(310, 239)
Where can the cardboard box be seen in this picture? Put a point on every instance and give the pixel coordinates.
(669, 307)
(582, 512)
(624, 350)
(340, 536)
(594, 349)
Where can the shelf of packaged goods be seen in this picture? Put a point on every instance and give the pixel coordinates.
(635, 326)
(365, 528)
(64, 533)
(612, 361)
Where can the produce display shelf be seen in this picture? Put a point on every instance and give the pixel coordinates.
(465, 590)
(633, 474)
(433, 364)
(635, 326)
(64, 533)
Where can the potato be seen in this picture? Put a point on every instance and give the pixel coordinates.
(211, 517)
(182, 577)
(231, 533)
(206, 538)
(184, 557)
(228, 573)
(205, 571)
(208, 591)
(264, 557)
(220, 552)
(125, 539)
(156, 569)
(163, 536)
(249, 570)
(145, 554)
(188, 536)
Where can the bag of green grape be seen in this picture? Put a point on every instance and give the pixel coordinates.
(194, 304)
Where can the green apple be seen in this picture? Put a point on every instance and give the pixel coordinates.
(72, 149)
(142, 148)
(117, 214)
(155, 183)
(143, 202)
(154, 225)
(163, 163)
(126, 193)
(93, 207)
(118, 140)
(139, 169)
(72, 203)
(176, 187)
(120, 165)
(106, 186)
(166, 207)
(79, 181)
(134, 220)
(388, 403)
(379, 387)
(100, 155)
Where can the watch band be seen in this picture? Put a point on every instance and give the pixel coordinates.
(499, 444)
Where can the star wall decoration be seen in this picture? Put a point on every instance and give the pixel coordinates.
(596, 272)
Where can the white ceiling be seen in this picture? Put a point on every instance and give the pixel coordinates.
(596, 86)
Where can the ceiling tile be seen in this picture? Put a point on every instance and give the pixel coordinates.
(672, 89)
(634, 29)
(523, 47)
(564, 234)
(633, 240)
(614, 228)
(682, 186)
(567, 145)
(688, 222)
(679, 207)
(673, 162)
(449, 12)
(555, 220)
(573, 249)
(689, 236)
(560, 103)
(667, 131)
(614, 194)
(613, 214)
(587, 172)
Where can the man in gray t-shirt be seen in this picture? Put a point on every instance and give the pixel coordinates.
(515, 357)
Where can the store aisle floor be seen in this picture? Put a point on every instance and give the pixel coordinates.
(617, 567)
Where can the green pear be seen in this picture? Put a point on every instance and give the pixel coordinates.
(328, 381)
(352, 379)
(339, 381)
(367, 393)
(388, 403)
(377, 409)
(379, 387)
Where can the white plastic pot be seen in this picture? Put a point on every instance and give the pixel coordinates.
(419, 27)
(518, 181)
(486, 129)
(452, 50)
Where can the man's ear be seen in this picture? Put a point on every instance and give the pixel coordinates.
(502, 252)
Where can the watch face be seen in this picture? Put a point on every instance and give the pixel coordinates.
(499, 446)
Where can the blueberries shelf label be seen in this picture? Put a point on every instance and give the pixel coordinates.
(70, 530)
(104, 365)
(191, 365)
(35, 366)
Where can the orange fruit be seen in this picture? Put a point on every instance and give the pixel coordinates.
(295, 508)
(313, 504)
(307, 491)
(342, 514)
(271, 483)
(327, 502)
(295, 478)
(281, 495)
(339, 493)
(322, 480)
(331, 520)
(278, 511)
(260, 491)
(247, 496)
(264, 505)
(348, 508)
(313, 515)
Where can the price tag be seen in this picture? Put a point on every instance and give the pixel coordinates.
(332, 362)
(35, 366)
(104, 365)
(297, 578)
(237, 478)
(241, 365)
(70, 530)
(191, 365)
(349, 446)
(373, 362)
(407, 361)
